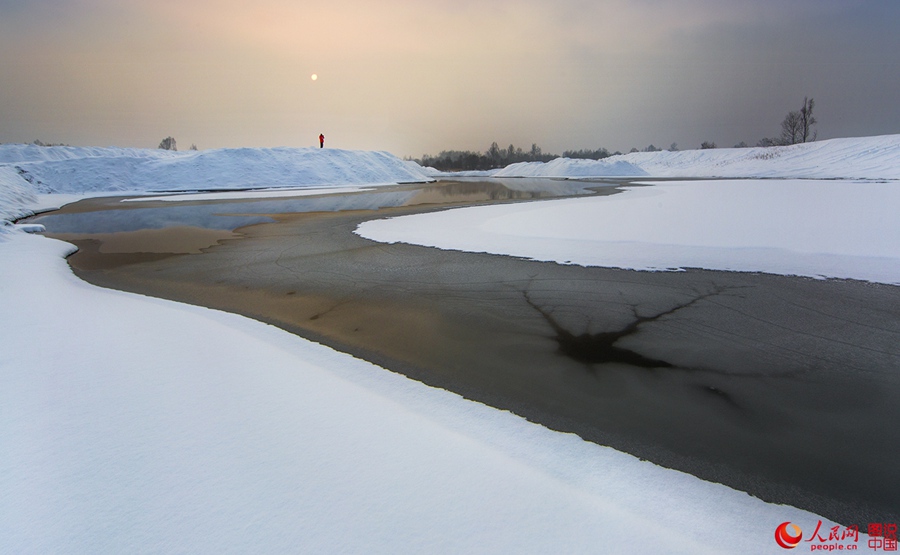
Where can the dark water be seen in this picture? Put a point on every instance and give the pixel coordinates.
(782, 387)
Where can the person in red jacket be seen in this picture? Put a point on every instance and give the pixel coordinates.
(321, 140)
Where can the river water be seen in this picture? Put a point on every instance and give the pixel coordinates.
(779, 386)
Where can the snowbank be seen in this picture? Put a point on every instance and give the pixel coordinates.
(565, 167)
(841, 229)
(853, 158)
(93, 170)
(31, 175)
(16, 196)
(844, 229)
(132, 424)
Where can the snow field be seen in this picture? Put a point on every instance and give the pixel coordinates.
(129, 424)
(813, 228)
(139, 425)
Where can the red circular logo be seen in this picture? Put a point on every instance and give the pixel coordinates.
(788, 535)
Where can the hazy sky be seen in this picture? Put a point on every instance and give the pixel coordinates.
(417, 76)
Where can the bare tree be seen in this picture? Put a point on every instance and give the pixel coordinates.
(797, 126)
(807, 120)
(168, 144)
(792, 129)
(707, 144)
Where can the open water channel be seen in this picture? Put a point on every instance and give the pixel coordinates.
(779, 386)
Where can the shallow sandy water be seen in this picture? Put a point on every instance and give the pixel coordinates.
(782, 387)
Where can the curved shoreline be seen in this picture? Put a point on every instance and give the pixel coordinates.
(748, 398)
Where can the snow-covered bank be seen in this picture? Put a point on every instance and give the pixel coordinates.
(852, 158)
(132, 424)
(565, 167)
(840, 229)
(16, 198)
(843, 229)
(94, 170)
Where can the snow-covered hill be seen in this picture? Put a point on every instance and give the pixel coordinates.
(853, 158)
(91, 170)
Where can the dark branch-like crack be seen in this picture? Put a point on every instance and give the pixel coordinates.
(601, 348)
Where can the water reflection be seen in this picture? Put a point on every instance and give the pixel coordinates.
(550, 187)
(111, 216)
(111, 221)
(218, 214)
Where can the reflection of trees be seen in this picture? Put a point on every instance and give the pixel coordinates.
(493, 191)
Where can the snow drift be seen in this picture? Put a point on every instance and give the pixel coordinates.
(97, 170)
(16, 195)
(853, 158)
(565, 167)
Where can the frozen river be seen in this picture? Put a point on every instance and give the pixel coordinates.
(782, 387)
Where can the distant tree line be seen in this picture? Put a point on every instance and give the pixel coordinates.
(587, 154)
(493, 157)
(496, 157)
(38, 142)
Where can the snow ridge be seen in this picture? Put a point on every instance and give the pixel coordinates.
(573, 168)
(850, 158)
(89, 170)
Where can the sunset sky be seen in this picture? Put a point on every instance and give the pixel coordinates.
(419, 76)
